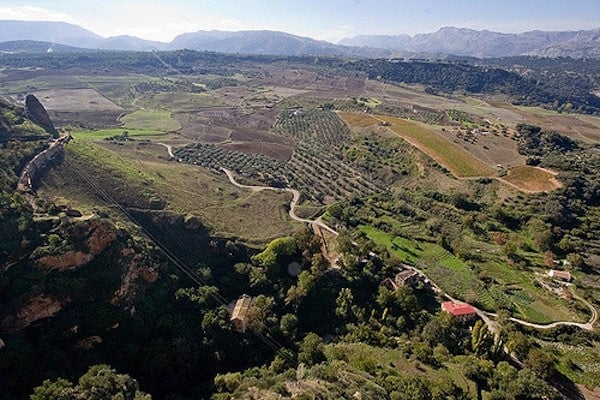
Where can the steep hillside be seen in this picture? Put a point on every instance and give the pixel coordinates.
(79, 288)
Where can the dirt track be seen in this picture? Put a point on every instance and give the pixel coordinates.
(293, 203)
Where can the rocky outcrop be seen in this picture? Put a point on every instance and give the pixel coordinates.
(38, 114)
(36, 308)
(139, 268)
(99, 237)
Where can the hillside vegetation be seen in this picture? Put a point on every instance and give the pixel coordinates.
(356, 206)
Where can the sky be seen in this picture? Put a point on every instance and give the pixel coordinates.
(329, 20)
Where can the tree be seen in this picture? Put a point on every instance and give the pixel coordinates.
(100, 382)
(541, 363)
(311, 350)
(61, 389)
(518, 343)
(529, 386)
(540, 233)
(503, 375)
(479, 370)
(318, 264)
(275, 251)
(575, 260)
(443, 329)
(289, 326)
(260, 313)
(481, 339)
(344, 302)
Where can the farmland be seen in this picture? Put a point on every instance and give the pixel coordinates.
(333, 138)
(458, 161)
(513, 292)
(532, 179)
(450, 183)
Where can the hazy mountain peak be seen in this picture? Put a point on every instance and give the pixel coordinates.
(447, 40)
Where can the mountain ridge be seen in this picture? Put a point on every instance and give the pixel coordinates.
(445, 41)
(486, 43)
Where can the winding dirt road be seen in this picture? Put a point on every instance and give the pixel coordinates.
(588, 326)
(493, 325)
(293, 203)
(169, 149)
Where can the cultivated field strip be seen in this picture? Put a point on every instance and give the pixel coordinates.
(319, 167)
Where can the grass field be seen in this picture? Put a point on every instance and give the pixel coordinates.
(179, 101)
(460, 163)
(254, 218)
(151, 120)
(101, 134)
(532, 179)
(513, 289)
(358, 120)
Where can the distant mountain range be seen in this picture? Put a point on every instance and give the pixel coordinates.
(484, 44)
(23, 35)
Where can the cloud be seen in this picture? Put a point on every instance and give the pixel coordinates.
(336, 34)
(32, 13)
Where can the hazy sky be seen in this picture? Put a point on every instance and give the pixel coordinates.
(321, 19)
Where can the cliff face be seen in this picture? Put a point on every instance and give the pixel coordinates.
(38, 114)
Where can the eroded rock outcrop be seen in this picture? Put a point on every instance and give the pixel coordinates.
(99, 237)
(138, 268)
(36, 308)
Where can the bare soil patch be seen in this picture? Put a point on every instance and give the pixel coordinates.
(75, 100)
(236, 129)
(86, 119)
(273, 150)
(582, 127)
(532, 179)
(492, 149)
(83, 107)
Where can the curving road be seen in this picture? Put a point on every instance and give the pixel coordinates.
(169, 149)
(493, 325)
(293, 203)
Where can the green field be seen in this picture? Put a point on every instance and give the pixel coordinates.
(448, 271)
(179, 101)
(458, 161)
(513, 289)
(101, 134)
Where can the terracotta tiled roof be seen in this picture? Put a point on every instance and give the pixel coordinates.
(458, 309)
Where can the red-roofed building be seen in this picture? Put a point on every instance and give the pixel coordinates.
(461, 311)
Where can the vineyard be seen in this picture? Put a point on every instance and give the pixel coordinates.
(327, 165)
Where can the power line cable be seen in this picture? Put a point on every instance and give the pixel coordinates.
(110, 200)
